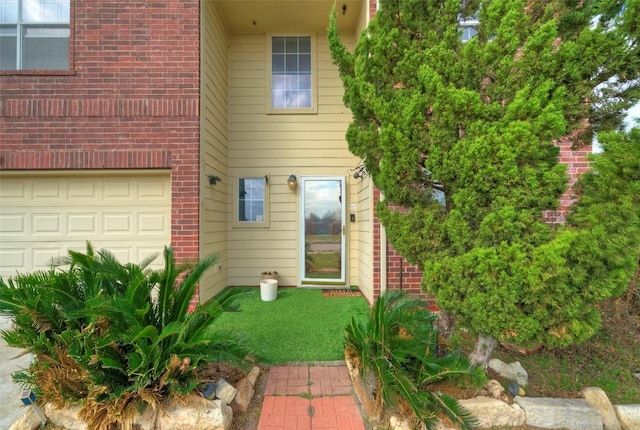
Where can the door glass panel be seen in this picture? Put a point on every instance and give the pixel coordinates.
(322, 233)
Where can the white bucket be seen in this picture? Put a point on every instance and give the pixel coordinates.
(268, 290)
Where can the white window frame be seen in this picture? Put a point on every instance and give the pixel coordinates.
(314, 76)
(21, 27)
(264, 223)
(468, 29)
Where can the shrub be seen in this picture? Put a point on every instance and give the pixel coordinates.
(397, 349)
(115, 337)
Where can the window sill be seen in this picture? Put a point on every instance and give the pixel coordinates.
(295, 111)
(37, 72)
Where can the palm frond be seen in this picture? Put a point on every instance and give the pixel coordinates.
(98, 319)
(398, 346)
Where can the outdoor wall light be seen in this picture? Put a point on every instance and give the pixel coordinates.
(292, 182)
(360, 172)
(214, 179)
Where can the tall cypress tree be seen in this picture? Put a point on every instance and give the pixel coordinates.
(461, 135)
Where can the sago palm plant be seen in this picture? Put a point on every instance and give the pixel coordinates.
(115, 337)
(396, 350)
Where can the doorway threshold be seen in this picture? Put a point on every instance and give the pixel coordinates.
(325, 286)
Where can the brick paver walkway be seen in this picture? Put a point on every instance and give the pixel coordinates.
(309, 397)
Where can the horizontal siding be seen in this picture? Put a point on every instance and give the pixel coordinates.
(214, 149)
(364, 237)
(279, 145)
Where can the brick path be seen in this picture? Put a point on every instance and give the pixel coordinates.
(309, 397)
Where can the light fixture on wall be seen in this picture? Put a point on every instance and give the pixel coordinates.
(360, 172)
(292, 182)
(214, 179)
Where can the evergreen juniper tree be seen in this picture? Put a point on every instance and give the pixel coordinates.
(461, 134)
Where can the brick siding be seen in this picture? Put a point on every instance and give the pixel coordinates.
(130, 101)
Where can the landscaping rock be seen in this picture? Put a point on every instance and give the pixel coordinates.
(197, 414)
(225, 391)
(194, 413)
(628, 416)
(570, 414)
(363, 392)
(67, 418)
(243, 397)
(512, 371)
(397, 423)
(599, 400)
(494, 413)
(28, 421)
(494, 390)
(253, 375)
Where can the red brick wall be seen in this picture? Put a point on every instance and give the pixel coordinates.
(131, 101)
(577, 164)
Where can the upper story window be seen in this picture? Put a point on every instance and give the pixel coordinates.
(292, 74)
(34, 34)
(468, 29)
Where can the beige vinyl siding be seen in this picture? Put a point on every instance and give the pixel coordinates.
(363, 19)
(363, 235)
(214, 150)
(278, 146)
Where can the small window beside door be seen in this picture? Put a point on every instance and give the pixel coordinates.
(252, 202)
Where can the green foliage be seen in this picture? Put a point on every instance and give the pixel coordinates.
(398, 346)
(114, 337)
(608, 216)
(461, 135)
(301, 325)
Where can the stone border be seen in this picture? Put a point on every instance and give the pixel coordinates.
(492, 408)
(195, 413)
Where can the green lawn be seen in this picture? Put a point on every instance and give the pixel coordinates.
(300, 325)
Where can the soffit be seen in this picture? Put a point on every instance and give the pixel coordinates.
(262, 16)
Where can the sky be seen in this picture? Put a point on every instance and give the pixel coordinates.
(634, 113)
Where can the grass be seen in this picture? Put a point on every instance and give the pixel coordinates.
(322, 238)
(300, 325)
(325, 265)
(607, 360)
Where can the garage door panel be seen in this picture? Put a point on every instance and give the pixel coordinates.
(12, 260)
(13, 224)
(117, 223)
(42, 217)
(152, 191)
(153, 223)
(118, 190)
(47, 224)
(82, 223)
(85, 190)
(47, 190)
(143, 253)
(43, 256)
(12, 191)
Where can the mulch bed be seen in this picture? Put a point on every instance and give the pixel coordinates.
(340, 293)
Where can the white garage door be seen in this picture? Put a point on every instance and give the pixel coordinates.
(42, 216)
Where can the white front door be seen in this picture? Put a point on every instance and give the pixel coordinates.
(322, 232)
